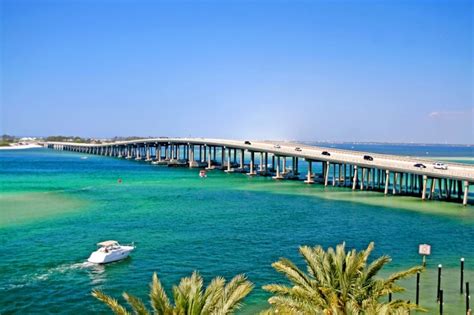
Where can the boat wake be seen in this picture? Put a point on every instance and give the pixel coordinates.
(32, 279)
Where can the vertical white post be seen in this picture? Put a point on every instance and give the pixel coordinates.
(425, 182)
(466, 192)
(309, 179)
(326, 173)
(354, 180)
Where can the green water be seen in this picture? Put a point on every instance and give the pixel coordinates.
(54, 206)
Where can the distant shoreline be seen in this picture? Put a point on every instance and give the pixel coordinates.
(20, 147)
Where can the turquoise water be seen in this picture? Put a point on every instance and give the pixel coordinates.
(54, 206)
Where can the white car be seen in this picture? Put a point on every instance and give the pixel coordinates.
(440, 166)
(276, 146)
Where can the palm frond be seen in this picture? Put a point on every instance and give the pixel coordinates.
(234, 292)
(158, 298)
(137, 305)
(112, 303)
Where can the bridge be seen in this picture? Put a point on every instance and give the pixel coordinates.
(390, 174)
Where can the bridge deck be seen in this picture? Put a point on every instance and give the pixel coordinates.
(395, 163)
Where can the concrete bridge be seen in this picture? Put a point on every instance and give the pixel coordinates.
(390, 174)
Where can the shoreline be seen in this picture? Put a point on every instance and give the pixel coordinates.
(21, 147)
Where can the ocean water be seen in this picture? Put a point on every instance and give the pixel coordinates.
(54, 207)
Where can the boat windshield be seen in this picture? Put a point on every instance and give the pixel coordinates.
(108, 244)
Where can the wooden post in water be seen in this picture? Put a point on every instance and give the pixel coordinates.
(417, 288)
(440, 302)
(439, 283)
(467, 298)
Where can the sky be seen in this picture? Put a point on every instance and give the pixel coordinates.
(388, 71)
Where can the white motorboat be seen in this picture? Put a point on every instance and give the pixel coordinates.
(110, 251)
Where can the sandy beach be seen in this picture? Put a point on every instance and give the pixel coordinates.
(20, 147)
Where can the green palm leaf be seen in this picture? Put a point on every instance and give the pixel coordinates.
(110, 302)
(137, 305)
(336, 282)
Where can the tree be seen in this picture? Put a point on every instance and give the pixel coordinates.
(337, 282)
(219, 298)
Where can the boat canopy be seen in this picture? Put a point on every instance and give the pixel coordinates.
(107, 243)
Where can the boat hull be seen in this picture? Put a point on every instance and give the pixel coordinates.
(99, 257)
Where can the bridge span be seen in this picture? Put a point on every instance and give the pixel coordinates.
(390, 174)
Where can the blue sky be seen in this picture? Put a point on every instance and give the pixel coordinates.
(395, 71)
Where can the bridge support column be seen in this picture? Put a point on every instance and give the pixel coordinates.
(252, 164)
(137, 153)
(448, 188)
(354, 180)
(433, 186)
(309, 179)
(242, 158)
(278, 174)
(191, 159)
(148, 153)
(345, 175)
(326, 173)
(395, 183)
(362, 180)
(222, 157)
(387, 181)
(228, 160)
(425, 184)
(209, 162)
(261, 163)
(466, 193)
(334, 175)
(266, 163)
(440, 189)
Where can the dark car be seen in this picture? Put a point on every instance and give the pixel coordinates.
(419, 165)
(368, 158)
(247, 142)
(298, 149)
(326, 153)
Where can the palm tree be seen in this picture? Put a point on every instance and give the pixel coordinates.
(219, 298)
(337, 282)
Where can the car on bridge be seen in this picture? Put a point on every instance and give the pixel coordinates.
(276, 146)
(420, 165)
(326, 153)
(247, 142)
(368, 158)
(298, 149)
(440, 166)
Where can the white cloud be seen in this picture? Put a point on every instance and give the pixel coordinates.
(451, 114)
